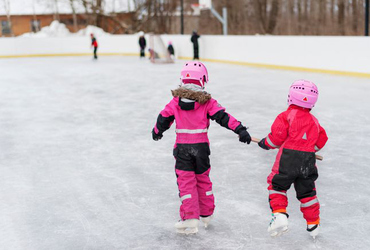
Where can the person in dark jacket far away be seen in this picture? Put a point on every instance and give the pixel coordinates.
(194, 40)
(142, 43)
(171, 50)
(94, 44)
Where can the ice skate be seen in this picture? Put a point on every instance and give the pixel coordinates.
(187, 226)
(313, 229)
(278, 224)
(206, 220)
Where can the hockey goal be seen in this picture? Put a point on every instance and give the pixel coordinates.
(158, 50)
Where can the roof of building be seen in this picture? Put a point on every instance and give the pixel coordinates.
(39, 7)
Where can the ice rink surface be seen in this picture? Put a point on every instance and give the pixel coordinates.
(79, 170)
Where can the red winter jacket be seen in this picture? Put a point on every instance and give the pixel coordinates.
(94, 42)
(297, 129)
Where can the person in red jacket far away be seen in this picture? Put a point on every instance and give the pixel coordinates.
(298, 135)
(94, 44)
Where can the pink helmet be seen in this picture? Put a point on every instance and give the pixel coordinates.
(303, 94)
(194, 72)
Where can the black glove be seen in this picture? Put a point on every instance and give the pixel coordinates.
(156, 136)
(263, 145)
(244, 135)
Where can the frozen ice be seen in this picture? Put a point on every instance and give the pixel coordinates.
(79, 170)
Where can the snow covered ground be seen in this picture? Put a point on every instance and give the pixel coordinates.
(79, 170)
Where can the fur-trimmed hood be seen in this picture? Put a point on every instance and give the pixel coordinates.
(198, 96)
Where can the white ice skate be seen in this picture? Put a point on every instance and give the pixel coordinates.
(313, 229)
(206, 220)
(278, 224)
(187, 226)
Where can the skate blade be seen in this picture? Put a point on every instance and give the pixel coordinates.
(187, 231)
(314, 236)
(279, 231)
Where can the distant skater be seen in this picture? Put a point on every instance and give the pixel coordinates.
(171, 50)
(194, 40)
(142, 43)
(94, 44)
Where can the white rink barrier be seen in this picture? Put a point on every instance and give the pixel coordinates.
(55, 46)
(337, 55)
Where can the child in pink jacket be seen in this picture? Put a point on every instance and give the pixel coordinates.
(192, 108)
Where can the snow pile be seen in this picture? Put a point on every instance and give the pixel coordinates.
(92, 29)
(57, 29)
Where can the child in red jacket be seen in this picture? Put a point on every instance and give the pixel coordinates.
(299, 135)
(94, 44)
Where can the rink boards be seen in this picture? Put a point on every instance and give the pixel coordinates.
(334, 55)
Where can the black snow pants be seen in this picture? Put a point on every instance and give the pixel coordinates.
(142, 52)
(298, 168)
(95, 50)
(196, 52)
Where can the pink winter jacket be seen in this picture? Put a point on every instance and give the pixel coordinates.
(192, 119)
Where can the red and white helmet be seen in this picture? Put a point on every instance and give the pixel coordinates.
(303, 93)
(194, 72)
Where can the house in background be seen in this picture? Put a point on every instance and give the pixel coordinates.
(21, 24)
(31, 16)
(115, 17)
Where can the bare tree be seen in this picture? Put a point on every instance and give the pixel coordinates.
(94, 10)
(333, 5)
(354, 16)
(266, 14)
(158, 15)
(35, 23)
(292, 17)
(273, 17)
(56, 10)
(278, 17)
(322, 17)
(74, 15)
(341, 16)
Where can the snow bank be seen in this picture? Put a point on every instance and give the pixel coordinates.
(57, 29)
(99, 32)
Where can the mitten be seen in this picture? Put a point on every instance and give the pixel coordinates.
(156, 136)
(263, 145)
(244, 135)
